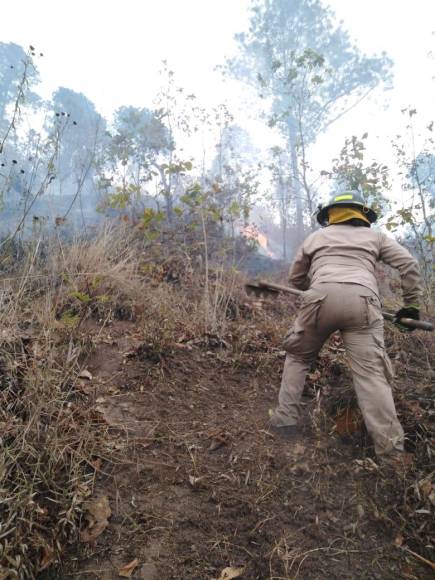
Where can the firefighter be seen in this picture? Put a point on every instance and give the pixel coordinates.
(336, 267)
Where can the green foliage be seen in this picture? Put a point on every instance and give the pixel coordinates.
(132, 157)
(177, 168)
(150, 223)
(351, 172)
(120, 199)
(234, 180)
(416, 217)
(297, 56)
(96, 282)
(103, 298)
(139, 135)
(69, 318)
(295, 53)
(151, 218)
(195, 198)
(234, 209)
(81, 296)
(123, 197)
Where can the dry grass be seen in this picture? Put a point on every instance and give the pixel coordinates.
(52, 440)
(50, 437)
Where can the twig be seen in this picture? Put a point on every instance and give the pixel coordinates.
(428, 562)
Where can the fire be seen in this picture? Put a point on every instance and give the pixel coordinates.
(253, 233)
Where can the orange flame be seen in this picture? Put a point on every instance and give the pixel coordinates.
(253, 233)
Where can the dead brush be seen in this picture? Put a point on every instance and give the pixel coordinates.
(46, 454)
(191, 309)
(407, 503)
(50, 437)
(220, 299)
(168, 317)
(404, 504)
(99, 276)
(172, 314)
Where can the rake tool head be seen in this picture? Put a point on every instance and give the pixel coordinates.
(255, 289)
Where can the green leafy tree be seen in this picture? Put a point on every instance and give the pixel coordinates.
(305, 64)
(134, 157)
(181, 118)
(281, 196)
(234, 174)
(351, 171)
(83, 132)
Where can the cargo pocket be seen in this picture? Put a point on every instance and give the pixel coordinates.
(372, 311)
(307, 318)
(292, 339)
(309, 309)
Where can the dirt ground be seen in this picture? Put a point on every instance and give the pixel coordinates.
(196, 483)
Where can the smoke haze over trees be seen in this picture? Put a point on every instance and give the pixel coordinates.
(64, 164)
(298, 56)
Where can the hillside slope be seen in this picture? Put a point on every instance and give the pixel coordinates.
(199, 484)
(134, 440)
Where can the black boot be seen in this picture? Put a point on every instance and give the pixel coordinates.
(287, 432)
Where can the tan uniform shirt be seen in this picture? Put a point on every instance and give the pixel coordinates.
(348, 254)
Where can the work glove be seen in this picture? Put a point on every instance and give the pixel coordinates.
(407, 312)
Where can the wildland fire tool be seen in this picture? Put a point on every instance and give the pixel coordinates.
(264, 288)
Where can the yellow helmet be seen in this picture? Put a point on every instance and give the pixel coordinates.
(346, 199)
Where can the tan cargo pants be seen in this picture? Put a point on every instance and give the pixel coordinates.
(356, 312)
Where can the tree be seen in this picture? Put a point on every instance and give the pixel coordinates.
(17, 75)
(143, 149)
(19, 187)
(83, 131)
(138, 141)
(281, 197)
(234, 173)
(351, 171)
(181, 118)
(416, 216)
(296, 55)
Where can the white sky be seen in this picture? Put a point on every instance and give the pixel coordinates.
(111, 50)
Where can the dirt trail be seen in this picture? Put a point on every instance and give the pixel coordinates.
(200, 484)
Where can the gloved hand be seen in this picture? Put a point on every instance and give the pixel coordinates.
(407, 312)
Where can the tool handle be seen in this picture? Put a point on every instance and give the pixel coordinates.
(280, 287)
(410, 322)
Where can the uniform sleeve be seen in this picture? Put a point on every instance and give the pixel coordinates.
(298, 275)
(396, 256)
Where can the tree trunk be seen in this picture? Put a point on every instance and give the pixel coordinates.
(296, 186)
(284, 237)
